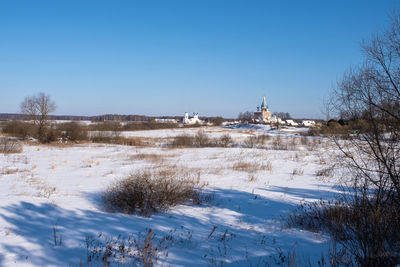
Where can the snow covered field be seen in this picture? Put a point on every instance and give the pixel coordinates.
(51, 212)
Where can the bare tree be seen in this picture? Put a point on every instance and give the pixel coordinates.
(37, 108)
(370, 93)
(283, 115)
(246, 116)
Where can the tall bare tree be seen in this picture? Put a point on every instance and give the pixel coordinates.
(37, 108)
(370, 93)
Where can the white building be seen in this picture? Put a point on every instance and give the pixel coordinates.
(308, 123)
(275, 119)
(291, 123)
(195, 119)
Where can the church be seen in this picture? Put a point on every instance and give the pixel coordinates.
(263, 115)
(194, 120)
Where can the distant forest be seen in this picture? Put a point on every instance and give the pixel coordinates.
(106, 117)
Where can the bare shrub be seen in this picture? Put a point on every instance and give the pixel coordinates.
(267, 165)
(367, 234)
(252, 178)
(297, 171)
(8, 146)
(151, 125)
(112, 138)
(201, 139)
(256, 140)
(147, 156)
(102, 137)
(147, 250)
(111, 126)
(183, 141)
(226, 140)
(314, 144)
(147, 192)
(250, 141)
(304, 140)
(263, 138)
(143, 249)
(19, 129)
(292, 144)
(324, 172)
(49, 134)
(217, 121)
(132, 141)
(73, 131)
(278, 143)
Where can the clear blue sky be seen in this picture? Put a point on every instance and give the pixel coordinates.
(167, 57)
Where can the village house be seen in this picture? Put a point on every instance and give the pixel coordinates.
(308, 123)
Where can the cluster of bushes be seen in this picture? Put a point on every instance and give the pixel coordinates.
(147, 192)
(201, 139)
(256, 140)
(367, 232)
(71, 131)
(74, 131)
(19, 129)
(115, 138)
(8, 146)
(341, 128)
(108, 132)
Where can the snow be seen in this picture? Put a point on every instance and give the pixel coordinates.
(49, 188)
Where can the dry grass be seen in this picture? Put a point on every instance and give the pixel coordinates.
(61, 144)
(324, 172)
(183, 141)
(256, 141)
(250, 141)
(112, 138)
(244, 166)
(9, 171)
(279, 143)
(252, 166)
(8, 146)
(252, 178)
(151, 157)
(43, 189)
(297, 171)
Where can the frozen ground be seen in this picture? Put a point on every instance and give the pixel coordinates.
(50, 190)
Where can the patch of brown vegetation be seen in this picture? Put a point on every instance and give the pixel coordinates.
(152, 157)
(252, 167)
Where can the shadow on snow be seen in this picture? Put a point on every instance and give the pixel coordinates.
(250, 219)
